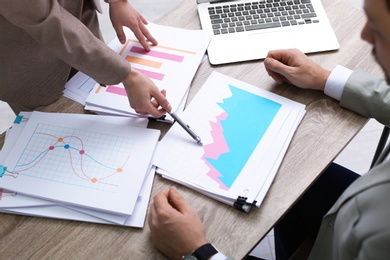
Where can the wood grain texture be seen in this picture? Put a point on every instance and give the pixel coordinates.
(323, 133)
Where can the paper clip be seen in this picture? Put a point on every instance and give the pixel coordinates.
(20, 118)
(5, 193)
(5, 172)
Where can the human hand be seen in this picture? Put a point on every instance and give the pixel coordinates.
(144, 96)
(122, 13)
(294, 67)
(175, 226)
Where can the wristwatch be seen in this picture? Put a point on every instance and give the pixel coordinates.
(202, 253)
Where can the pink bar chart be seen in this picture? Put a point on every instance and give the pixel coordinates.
(152, 63)
(116, 90)
(170, 65)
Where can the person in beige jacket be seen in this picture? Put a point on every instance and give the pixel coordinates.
(356, 224)
(43, 42)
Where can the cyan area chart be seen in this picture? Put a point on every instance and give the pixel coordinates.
(75, 157)
(236, 133)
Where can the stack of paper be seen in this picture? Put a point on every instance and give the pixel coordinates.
(80, 167)
(171, 65)
(245, 133)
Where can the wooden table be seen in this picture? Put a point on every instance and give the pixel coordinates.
(323, 133)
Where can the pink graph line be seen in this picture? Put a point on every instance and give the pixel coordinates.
(116, 172)
(215, 149)
(83, 176)
(157, 54)
(116, 90)
(28, 168)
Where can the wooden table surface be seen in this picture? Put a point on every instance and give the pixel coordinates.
(325, 130)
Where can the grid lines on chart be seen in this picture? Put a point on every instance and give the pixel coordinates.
(76, 157)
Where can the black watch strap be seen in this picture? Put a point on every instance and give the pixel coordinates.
(205, 252)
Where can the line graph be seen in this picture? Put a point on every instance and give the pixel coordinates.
(245, 132)
(75, 157)
(235, 136)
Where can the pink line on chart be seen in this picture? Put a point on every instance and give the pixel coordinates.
(116, 90)
(151, 74)
(215, 149)
(158, 54)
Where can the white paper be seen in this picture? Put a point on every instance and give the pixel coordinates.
(171, 65)
(79, 87)
(121, 154)
(245, 132)
(12, 202)
(41, 208)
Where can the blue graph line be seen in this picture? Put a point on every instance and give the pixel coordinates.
(249, 117)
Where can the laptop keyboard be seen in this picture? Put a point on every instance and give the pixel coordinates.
(261, 15)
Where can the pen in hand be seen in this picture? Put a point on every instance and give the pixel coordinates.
(186, 127)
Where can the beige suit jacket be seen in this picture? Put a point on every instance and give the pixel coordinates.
(41, 40)
(358, 225)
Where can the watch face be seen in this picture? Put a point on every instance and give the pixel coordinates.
(189, 257)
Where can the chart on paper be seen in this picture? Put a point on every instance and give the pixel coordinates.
(155, 63)
(245, 132)
(236, 133)
(86, 85)
(75, 157)
(80, 161)
(79, 87)
(165, 66)
(170, 65)
(237, 123)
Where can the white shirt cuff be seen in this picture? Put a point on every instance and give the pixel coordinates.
(218, 256)
(336, 81)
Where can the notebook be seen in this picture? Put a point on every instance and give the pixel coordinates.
(248, 30)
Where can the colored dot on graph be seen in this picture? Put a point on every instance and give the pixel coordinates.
(66, 146)
(82, 152)
(119, 170)
(93, 180)
(51, 147)
(60, 139)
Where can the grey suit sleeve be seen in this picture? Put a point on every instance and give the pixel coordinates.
(368, 96)
(66, 37)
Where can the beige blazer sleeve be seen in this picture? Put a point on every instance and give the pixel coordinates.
(357, 226)
(66, 37)
(368, 96)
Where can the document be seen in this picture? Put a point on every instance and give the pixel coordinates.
(171, 65)
(245, 133)
(62, 181)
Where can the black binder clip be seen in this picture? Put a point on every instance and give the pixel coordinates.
(242, 205)
(160, 119)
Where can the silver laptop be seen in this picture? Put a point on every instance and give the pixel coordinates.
(247, 30)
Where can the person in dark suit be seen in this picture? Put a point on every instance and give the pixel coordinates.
(352, 212)
(41, 41)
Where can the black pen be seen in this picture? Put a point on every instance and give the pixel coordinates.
(186, 127)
